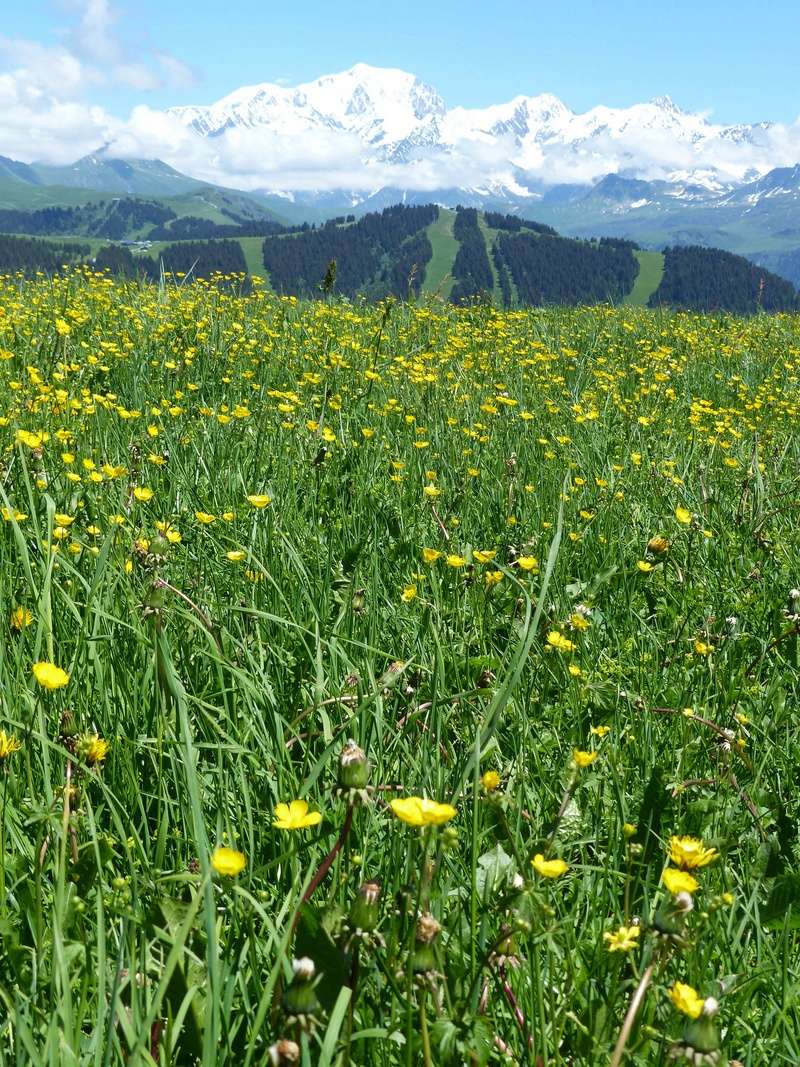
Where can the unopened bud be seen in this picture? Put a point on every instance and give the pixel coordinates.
(365, 911)
(353, 767)
(284, 1053)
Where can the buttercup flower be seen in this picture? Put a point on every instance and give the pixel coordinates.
(490, 780)
(549, 868)
(583, 759)
(419, 811)
(295, 816)
(679, 881)
(228, 862)
(624, 939)
(8, 745)
(558, 641)
(690, 852)
(49, 676)
(20, 618)
(686, 999)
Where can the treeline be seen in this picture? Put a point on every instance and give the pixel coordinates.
(496, 221)
(380, 254)
(120, 218)
(471, 268)
(199, 259)
(29, 255)
(708, 279)
(191, 227)
(558, 270)
(113, 219)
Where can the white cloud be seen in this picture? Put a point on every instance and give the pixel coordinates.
(45, 90)
(46, 113)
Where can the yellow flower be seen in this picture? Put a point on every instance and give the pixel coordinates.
(490, 780)
(8, 745)
(236, 556)
(205, 518)
(628, 829)
(295, 816)
(624, 939)
(20, 618)
(549, 868)
(690, 852)
(142, 493)
(492, 578)
(600, 731)
(259, 500)
(93, 748)
(431, 491)
(455, 561)
(679, 881)
(32, 440)
(686, 1000)
(419, 811)
(228, 862)
(558, 641)
(702, 648)
(49, 675)
(430, 555)
(408, 594)
(528, 563)
(484, 556)
(583, 759)
(644, 566)
(683, 515)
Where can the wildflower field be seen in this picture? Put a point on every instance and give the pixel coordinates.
(395, 685)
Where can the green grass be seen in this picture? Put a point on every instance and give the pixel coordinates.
(489, 236)
(651, 271)
(439, 272)
(250, 529)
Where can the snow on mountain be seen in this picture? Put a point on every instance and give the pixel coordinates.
(382, 107)
(392, 119)
(348, 137)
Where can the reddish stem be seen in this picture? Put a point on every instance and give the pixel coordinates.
(325, 866)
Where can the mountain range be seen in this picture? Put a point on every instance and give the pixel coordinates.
(369, 137)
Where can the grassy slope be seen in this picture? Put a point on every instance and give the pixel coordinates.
(651, 270)
(439, 274)
(489, 236)
(19, 196)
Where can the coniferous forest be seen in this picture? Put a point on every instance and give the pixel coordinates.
(707, 279)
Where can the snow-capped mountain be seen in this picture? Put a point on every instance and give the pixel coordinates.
(389, 118)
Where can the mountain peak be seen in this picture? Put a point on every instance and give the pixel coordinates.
(666, 103)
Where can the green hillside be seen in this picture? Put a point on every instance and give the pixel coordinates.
(651, 271)
(462, 255)
(439, 274)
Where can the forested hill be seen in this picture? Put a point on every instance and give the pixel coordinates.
(404, 251)
(708, 279)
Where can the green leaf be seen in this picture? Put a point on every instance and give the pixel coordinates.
(332, 964)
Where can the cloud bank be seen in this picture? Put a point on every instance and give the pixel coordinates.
(47, 113)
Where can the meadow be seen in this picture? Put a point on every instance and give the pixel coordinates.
(396, 684)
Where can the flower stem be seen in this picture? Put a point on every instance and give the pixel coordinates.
(630, 1015)
(325, 866)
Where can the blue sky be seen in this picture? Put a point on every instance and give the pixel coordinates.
(733, 58)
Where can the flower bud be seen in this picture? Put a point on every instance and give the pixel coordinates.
(365, 911)
(284, 1053)
(300, 999)
(423, 959)
(353, 767)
